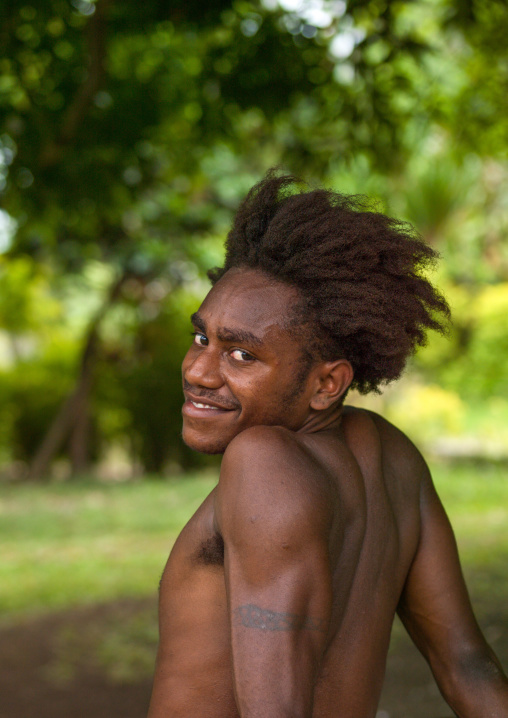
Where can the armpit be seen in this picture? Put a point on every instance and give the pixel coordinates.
(211, 551)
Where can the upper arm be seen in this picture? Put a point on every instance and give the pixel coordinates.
(273, 518)
(275, 521)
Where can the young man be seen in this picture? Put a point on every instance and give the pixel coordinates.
(278, 597)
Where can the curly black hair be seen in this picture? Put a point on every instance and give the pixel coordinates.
(359, 274)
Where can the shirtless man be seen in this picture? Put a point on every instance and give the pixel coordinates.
(278, 597)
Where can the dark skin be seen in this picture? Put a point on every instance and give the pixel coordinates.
(278, 597)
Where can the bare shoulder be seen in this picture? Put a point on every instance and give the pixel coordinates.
(267, 470)
(265, 453)
(261, 441)
(398, 451)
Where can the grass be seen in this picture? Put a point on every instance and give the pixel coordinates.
(78, 544)
(476, 498)
(71, 544)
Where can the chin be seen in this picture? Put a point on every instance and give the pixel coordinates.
(203, 444)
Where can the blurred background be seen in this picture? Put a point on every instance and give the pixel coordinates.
(129, 132)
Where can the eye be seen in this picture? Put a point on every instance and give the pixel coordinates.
(200, 339)
(241, 356)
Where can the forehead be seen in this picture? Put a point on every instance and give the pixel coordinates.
(248, 299)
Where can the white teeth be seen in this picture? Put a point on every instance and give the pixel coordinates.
(201, 406)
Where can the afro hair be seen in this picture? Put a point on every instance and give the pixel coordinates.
(360, 274)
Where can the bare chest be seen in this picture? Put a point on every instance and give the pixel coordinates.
(199, 544)
(194, 629)
(195, 564)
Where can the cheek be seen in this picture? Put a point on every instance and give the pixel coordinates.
(266, 408)
(187, 360)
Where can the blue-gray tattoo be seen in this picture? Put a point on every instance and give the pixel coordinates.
(252, 616)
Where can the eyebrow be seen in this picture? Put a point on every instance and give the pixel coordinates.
(225, 334)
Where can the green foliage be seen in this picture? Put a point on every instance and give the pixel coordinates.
(477, 116)
(30, 396)
(31, 410)
(143, 382)
(26, 301)
(130, 131)
(109, 113)
(472, 362)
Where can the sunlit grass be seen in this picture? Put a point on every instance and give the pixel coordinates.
(476, 498)
(71, 544)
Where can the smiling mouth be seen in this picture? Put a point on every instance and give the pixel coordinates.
(205, 406)
(193, 407)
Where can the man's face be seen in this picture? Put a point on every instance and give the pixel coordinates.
(243, 368)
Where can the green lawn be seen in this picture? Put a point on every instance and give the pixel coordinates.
(71, 544)
(476, 498)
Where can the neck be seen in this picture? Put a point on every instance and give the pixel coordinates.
(322, 420)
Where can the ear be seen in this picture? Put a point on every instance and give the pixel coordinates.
(332, 381)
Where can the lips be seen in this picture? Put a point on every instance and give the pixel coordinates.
(202, 406)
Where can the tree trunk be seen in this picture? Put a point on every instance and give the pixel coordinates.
(59, 429)
(77, 110)
(79, 445)
(73, 416)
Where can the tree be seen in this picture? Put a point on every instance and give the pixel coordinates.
(130, 130)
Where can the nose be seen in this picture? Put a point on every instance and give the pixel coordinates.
(203, 369)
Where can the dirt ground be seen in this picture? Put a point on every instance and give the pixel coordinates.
(28, 689)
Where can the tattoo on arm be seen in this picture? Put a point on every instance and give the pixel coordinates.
(252, 616)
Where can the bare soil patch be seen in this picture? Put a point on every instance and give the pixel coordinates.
(30, 687)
